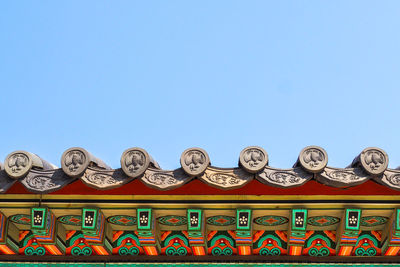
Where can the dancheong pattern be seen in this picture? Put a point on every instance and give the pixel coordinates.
(370, 221)
(323, 220)
(21, 219)
(320, 243)
(221, 220)
(221, 243)
(368, 244)
(124, 220)
(175, 243)
(270, 243)
(126, 243)
(271, 220)
(172, 220)
(75, 220)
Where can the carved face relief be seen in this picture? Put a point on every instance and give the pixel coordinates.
(194, 161)
(313, 159)
(17, 165)
(253, 159)
(74, 162)
(134, 162)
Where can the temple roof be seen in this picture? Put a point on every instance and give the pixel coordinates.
(79, 166)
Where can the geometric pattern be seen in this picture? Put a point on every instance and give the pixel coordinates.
(221, 220)
(124, 220)
(271, 220)
(21, 219)
(370, 221)
(172, 220)
(323, 220)
(75, 220)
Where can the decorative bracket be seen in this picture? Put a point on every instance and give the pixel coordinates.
(95, 231)
(45, 231)
(9, 236)
(391, 246)
(297, 233)
(244, 238)
(348, 232)
(196, 224)
(146, 231)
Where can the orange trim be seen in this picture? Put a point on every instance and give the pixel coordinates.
(6, 250)
(345, 250)
(198, 251)
(392, 251)
(244, 250)
(53, 250)
(100, 250)
(295, 250)
(150, 251)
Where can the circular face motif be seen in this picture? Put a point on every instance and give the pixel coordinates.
(313, 159)
(253, 159)
(172, 220)
(370, 221)
(134, 162)
(374, 160)
(21, 219)
(18, 164)
(221, 220)
(270, 220)
(194, 161)
(124, 220)
(75, 220)
(74, 161)
(323, 220)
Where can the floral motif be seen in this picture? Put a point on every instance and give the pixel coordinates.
(37, 219)
(143, 219)
(353, 220)
(89, 219)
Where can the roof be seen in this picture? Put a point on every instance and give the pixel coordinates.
(137, 167)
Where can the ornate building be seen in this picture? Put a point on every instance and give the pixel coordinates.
(86, 213)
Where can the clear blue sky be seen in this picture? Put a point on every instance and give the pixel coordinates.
(221, 75)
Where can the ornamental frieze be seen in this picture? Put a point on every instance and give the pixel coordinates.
(165, 180)
(283, 177)
(226, 178)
